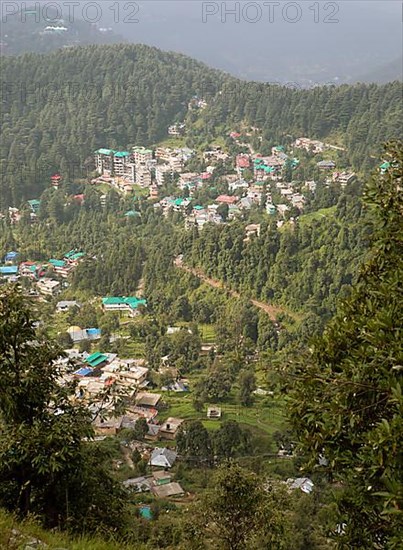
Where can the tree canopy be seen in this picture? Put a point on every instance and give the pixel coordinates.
(347, 400)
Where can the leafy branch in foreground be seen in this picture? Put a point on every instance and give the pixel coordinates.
(44, 461)
(346, 402)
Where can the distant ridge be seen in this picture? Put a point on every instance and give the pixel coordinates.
(387, 72)
(27, 31)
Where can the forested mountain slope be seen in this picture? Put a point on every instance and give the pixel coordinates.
(361, 117)
(305, 266)
(58, 108)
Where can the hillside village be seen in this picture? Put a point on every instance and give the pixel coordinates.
(227, 188)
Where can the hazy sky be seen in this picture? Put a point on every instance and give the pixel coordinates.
(277, 41)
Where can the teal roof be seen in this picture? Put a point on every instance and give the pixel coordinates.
(268, 169)
(134, 303)
(198, 207)
(122, 154)
(57, 263)
(9, 270)
(34, 204)
(178, 202)
(132, 213)
(76, 256)
(131, 301)
(106, 152)
(280, 148)
(70, 253)
(385, 165)
(112, 300)
(96, 359)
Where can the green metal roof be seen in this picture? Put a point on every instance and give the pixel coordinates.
(96, 359)
(385, 165)
(70, 253)
(130, 301)
(106, 151)
(112, 300)
(34, 204)
(76, 256)
(122, 154)
(134, 303)
(57, 263)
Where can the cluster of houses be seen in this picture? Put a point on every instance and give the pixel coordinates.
(177, 130)
(247, 176)
(142, 167)
(47, 276)
(310, 145)
(98, 373)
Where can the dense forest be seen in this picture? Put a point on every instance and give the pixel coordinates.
(306, 265)
(359, 117)
(289, 322)
(58, 108)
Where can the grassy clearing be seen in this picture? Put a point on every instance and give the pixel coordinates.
(264, 417)
(28, 530)
(173, 142)
(318, 215)
(207, 333)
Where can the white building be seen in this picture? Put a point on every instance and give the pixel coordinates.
(48, 287)
(161, 171)
(142, 155)
(143, 176)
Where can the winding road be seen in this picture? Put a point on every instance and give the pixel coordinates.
(272, 311)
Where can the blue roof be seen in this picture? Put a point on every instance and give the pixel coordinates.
(94, 332)
(10, 256)
(9, 270)
(84, 371)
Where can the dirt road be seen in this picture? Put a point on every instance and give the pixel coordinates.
(272, 311)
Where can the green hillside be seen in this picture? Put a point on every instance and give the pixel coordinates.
(58, 108)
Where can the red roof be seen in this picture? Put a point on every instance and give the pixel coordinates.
(242, 161)
(56, 177)
(226, 199)
(205, 176)
(235, 135)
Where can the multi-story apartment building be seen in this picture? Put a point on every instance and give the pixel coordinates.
(161, 171)
(142, 155)
(109, 162)
(143, 176)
